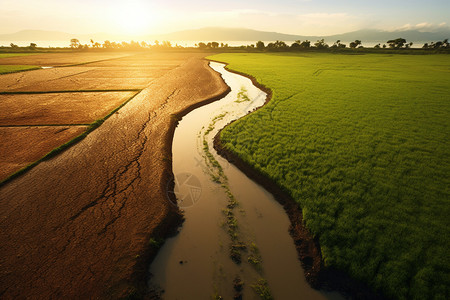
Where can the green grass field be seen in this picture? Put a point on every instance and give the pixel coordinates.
(362, 143)
(4, 69)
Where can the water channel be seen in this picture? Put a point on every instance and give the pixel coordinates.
(234, 241)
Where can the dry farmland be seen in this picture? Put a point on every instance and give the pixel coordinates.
(82, 89)
(78, 224)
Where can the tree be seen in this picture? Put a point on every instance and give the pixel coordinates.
(14, 46)
(260, 45)
(107, 44)
(446, 44)
(320, 44)
(355, 44)
(74, 43)
(305, 44)
(215, 45)
(166, 44)
(438, 44)
(201, 45)
(296, 45)
(277, 46)
(32, 46)
(397, 43)
(338, 44)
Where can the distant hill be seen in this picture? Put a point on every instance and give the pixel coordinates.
(242, 34)
(231, 34)
(221, 34)
(371, 35)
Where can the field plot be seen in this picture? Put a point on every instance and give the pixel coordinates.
(57, 59)
(22, 146)
(18, 81)
(75, 95)
(59, 108)
(362, 143)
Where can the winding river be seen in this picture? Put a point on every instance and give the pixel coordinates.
(234, 241)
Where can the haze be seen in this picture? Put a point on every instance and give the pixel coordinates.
(138, 17)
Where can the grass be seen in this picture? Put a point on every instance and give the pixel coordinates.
(5, 69)
(5, 55)
(261, 288)
(362, 143)
(254, 258)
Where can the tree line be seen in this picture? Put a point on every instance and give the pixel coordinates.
(399, 43)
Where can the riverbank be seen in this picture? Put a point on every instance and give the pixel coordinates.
(307, 246)
(87, 222)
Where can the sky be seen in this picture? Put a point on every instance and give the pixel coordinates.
(303, 17)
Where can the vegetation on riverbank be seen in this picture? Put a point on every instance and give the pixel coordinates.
(361, 143)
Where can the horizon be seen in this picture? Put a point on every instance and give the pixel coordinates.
(137, 18)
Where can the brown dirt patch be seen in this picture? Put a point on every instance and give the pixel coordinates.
(16, 81)
(81, 83)
(59, 108)
(78, 225)
(21, 146)
(128, 72)
(60, 59)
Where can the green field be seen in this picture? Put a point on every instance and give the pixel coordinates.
(362, 143)
(4, 69)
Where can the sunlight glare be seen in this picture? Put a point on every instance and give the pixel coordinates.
(134, 17)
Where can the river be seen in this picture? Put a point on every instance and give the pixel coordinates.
(234, 241)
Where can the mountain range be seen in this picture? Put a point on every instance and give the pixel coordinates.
(230, 34)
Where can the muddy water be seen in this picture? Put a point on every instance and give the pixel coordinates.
(234, 230)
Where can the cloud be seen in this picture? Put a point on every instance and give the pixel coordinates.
(424, 27)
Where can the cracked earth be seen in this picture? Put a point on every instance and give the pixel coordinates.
(78, 225)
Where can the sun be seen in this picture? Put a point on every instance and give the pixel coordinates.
(134, 17)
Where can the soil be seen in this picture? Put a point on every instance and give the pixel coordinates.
(81, 83)
(17, 81)
(308, 247)
(59, 108)
(48, 107)
(129, 72)
(21, 146)
(83, 223)
(60, 59)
